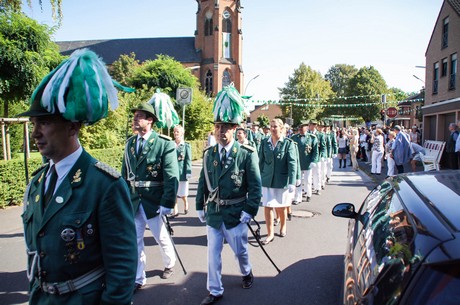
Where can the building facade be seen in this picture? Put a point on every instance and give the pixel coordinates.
(442, 93)
(214, 54)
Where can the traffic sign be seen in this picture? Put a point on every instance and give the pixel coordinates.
(184, 96)
(392, 112)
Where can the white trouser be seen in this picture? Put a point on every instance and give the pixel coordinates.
(323, 165)
(160, 233)
(391, 166)
(237, 238)
(329, 167)
(305, 185)
(317, 176)
(376, 166)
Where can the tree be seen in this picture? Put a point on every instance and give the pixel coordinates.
(123, 68)
(339, 77)
(307, 91)
(367, 86)
(15, 6)
(27, 54)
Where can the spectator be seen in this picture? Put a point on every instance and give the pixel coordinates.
(377, 152)
(354, 148)
(400, 150)
(416, 150)
(414, 135)
(452, 160)
(211, 139)
(390, 161)
(457, 146)
(363, 144)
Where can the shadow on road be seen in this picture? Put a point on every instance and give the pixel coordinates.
(13, 288)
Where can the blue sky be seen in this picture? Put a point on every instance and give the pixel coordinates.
(391, 35)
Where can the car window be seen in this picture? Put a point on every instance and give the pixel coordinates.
(438, 285)
(370, 203)
(387, 241)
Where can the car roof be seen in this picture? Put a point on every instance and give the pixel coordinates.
(441, 191)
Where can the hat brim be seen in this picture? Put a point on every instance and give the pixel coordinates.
(143, 110)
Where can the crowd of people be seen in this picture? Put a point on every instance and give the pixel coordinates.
(84, 223)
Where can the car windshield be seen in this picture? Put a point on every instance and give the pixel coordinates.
(439, 285)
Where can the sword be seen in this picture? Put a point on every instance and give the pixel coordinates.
(171, 233)
(257, 237)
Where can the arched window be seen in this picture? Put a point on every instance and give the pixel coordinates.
(208, 27)
(226, 79)
(226, 35)
(208, 83)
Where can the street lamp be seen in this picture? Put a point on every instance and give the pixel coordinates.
(244, 93)
(419, 78)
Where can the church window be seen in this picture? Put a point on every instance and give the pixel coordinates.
(208, 83)
(226, 79)
(208, 27)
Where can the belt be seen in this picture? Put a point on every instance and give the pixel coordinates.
(229, 201)
(72, 285)
(145, 183)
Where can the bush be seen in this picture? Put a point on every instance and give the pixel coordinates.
(13, 182)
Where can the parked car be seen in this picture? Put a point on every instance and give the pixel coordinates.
(404, 242)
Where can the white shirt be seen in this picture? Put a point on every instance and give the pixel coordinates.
(227, 148)
(63, 167)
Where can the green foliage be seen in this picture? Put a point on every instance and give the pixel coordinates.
(368, 81)
(27, 54)
(123, 68)
(339, 77)
(198, 117)
(396, 96)
(305, 83)
(263, 120)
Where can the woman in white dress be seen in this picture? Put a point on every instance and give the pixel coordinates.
(377, 152)
(278, 169)
(184, 160)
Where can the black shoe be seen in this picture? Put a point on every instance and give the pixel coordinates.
(327, 179)
(167, 273)
(322, 187)
(295, 203)
(289, 216)
(248, 280)
(185, 212)
(308, 199)
(211, 299)
(137, 286)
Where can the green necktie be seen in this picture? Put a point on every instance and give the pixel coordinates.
(51, 186)
(223, 157)
(140, 146)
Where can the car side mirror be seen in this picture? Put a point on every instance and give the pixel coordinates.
(345, 210)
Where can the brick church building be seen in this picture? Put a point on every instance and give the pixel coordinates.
(214, 55)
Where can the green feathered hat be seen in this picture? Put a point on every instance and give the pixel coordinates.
(164, 110)
(80, 89)
(228, 106)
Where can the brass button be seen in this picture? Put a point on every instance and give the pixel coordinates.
(77, 221)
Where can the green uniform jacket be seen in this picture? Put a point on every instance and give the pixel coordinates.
(258, 136)
(321, 144)
(308, 150)
(278, 167)
(298, 175)
(334, 147)
(94, 204)
(184, 160)
(157, 163)
(240, 179)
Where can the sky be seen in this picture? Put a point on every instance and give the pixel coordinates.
(390, 35)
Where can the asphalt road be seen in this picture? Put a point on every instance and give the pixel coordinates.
(310, 256)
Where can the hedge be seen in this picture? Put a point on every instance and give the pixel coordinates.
(13, 182)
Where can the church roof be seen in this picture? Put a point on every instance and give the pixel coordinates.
(181, 49)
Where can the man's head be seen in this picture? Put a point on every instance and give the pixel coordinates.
(452, 126)
(144, 117)
(312, 125)
(255, 126)
(241, 134)
(303, 127)
(396, 129)
(224, 132)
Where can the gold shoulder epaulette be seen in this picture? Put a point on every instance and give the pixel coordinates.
(207, 148)
(39, 169)
(248, 147)
(107, 169)
(165, 137)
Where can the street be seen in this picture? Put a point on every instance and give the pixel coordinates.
(310, 256)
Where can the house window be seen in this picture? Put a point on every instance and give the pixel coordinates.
(435, 78)
(208, 83)
(453, 71)
(444, 67)
(445, 33)
(208, 27)
(226, 79)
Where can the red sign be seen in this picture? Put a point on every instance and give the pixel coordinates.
(392, 112)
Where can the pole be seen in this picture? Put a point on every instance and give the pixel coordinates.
(183, 116)
(171, 233)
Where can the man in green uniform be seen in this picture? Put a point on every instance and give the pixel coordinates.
(307, 145)
(332, 152)
(321, 157)
(257, 135)
(150, 168)
(78, 220)
(228, 194)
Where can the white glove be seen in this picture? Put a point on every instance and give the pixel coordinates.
(245, 217)
(201, 216)
(188, 176)
(298, 182)
(165, 211)
(323, 159)
(334, 156)
(313, 165)
(291, 188)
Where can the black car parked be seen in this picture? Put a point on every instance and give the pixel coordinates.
(404, 242)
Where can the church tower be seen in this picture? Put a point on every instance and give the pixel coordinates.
(219, 37)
